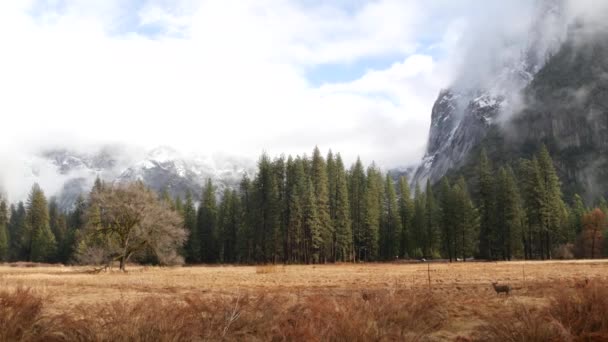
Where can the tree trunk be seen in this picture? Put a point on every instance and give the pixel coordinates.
(123, 263)
(593, 245)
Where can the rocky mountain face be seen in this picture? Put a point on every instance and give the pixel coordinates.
(562, 102)
(161, 169)
(567, 109)
(463, 113)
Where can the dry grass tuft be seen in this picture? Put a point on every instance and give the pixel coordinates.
(521, 324)
(267, 269)
(385, 316)
(19, 312)
(406, 316)
(583, 311)
(577, 314)
(21, 319)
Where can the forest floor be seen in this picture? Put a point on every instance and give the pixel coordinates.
(464, 289)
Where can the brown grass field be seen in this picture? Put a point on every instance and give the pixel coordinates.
(321, 302)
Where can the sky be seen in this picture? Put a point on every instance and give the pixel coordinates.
(237, 77)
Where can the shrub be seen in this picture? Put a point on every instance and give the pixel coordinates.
(583, 312)
(21, 319)
(381, 315)
(573, 315)
(522, 324)
(564, 251)
(367, 316)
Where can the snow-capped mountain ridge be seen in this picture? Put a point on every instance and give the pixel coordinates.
(162, 168)
(463, 113)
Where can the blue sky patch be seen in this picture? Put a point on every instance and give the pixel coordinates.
(346, 72)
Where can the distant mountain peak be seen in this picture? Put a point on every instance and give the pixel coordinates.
(161, 168)
(463, 113)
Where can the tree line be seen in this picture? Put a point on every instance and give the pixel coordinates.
(314, 210)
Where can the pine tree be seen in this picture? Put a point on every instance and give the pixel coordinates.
(178, 204)
(486, 200)
(578, 210)
(228, 222)
(40, 241)
(4, 236)
(466, 221)
(357, 190)
(312, 225)
(447, 218)
(98, 185)
(166, 198)
(207, 224)
(278, 166)
(17, 233)
(510, 215)
(431, 236)
(321, 186)
(294, 250)
(341, 222)
(266, 213)
(391, 221)
(75, 222)
(57, 224)
(245, 241)
(533, 188)
(192, 252)
(406, 212)
(556, 214)
(419, 223)
(331, 189)
(372, 213)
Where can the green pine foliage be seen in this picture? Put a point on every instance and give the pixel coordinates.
(486, 198)
(357, 191)
(372, 214)
(39, 240)
(419, 224)
(229, 223)
(313, 210)
(321, 193)
(266, 214)
(16, 233)
(431, 235)
(466, 222)
(447, 205)
(341, 218)
(510, 216)
(391, 222)
(4, 236)
(406, 213)
(207, 224)
(192, 251)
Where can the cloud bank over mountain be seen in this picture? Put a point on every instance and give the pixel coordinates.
(236, 77)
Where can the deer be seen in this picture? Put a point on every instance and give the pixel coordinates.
(501, 288)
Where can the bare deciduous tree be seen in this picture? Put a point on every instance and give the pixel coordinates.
(129, 220)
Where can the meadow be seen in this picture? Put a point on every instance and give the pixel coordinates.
(550, 300)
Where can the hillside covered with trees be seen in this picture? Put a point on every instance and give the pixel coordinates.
(315, 210)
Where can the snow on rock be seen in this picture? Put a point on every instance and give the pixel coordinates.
(162, 168)
(462, 113)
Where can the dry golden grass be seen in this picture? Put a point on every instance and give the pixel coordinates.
(321, 302)
(266, 269)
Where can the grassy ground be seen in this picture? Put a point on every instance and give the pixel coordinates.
(464, 290)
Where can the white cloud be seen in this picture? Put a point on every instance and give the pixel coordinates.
(233, 82)
(226, 76)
